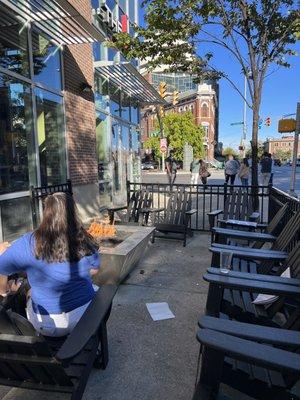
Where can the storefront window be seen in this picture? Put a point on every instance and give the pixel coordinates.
(16, 136)
(14, 49)
(104, 154)
(16, 218)
(136, 159)
(101, 92)
(46, 61)
(115, 100)
(134, 112)
(125, 103)
(50, 130)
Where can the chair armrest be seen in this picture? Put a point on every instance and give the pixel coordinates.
(191, 212)
(215, 213)
(249, 253)
(255, 236)
(249, 351)
(116, 208)
(88, 324)
(257, 277)
(276, 336)
(252, 286)
(254, 216)
(237, 222)
(151, 210)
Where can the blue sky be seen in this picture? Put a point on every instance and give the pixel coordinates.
(280, 95)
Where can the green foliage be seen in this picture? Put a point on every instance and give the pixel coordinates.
(283, 155)
(229, 151)
(180, 129)
(260, 151)
(153, 144)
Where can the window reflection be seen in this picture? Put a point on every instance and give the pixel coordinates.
(46, 61)
(101, 92)
(16, 136)
(50, 137)
(14, 48)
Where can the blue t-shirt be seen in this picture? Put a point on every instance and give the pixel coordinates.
(55, 287)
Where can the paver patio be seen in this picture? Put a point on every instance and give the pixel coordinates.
(151, 360)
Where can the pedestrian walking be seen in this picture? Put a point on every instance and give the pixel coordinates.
(194, 168)
(203, 172)
(231, 169)
(171, 165)
(244, 172)
(265, 169)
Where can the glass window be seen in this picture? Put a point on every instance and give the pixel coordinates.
(131, 11)
(125, 102)
(14, 49)
(101, 92)
(105, 167)
(115, 101)
(51, 141)
(17, 161)
(112, 53)
(16, 217)
(204, 110)
(122, 4)
(46, 61)
(134, 112)
(111, 4)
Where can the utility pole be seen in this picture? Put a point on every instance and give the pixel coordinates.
(162, 89)
(295, 153)
(245, 117)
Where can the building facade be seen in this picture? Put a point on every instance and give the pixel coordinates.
(286, 143)
(69, 106)
(202, 100)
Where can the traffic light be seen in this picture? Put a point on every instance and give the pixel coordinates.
(161, 112)
(268, 121)
(162, 88)
(175, 97)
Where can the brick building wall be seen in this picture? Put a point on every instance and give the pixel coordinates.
(285, 144)
(80, 108)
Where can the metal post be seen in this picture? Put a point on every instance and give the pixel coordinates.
(295, 153)
(245, 116)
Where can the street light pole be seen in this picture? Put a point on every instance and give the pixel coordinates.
(295, 153)
(245, 115)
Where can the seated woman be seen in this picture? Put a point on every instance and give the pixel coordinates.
(59, 258)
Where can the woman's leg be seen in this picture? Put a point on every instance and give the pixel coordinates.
(232, 179)
(226, 178)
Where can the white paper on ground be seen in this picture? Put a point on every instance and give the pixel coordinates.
(159, 311)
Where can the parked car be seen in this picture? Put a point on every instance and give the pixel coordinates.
(290, 162)
(149, 165)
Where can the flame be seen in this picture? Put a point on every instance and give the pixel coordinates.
(102, 229)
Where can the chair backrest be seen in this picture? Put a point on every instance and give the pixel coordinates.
(178, 203)
(28, 361)
(276, 223)
(237, 205)
(140, 199)
(289, 235)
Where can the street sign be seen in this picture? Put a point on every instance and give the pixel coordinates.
(286, 125)
(163, 145)
(237, 123)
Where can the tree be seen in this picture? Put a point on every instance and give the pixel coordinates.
(229, 151)
(180, 129)
(153, 143)
(258, 34)
(283, 155)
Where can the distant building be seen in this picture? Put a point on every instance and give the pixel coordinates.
(200, 99)
(286, 143)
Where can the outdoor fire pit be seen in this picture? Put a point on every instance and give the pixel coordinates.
(121, 252)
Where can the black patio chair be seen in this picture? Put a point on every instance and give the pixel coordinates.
(139, 200)
(261, 362)
(32, 361)
(176, 222)
(236, 207)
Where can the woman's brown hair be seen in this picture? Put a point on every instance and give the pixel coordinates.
(60, 236)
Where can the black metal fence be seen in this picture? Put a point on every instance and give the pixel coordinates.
(204, 198)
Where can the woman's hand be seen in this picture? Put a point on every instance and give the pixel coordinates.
(3, 247)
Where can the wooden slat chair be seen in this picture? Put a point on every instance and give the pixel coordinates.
(254, 239)
(234, 299)
(63, 365)
(237, 206)
(280, 247)
(140, 199)
(261, 362)
(177, 217)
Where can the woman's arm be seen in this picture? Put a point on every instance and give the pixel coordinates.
(93, 271)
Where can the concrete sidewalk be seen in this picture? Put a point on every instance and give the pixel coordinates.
(151, 360)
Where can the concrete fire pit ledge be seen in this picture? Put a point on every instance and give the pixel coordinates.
(119, 261)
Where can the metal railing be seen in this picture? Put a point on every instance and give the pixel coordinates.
(204, 198)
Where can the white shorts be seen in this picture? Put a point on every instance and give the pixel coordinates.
(55, 325)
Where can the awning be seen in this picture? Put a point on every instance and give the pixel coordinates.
(58, 18)
(127, 77)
